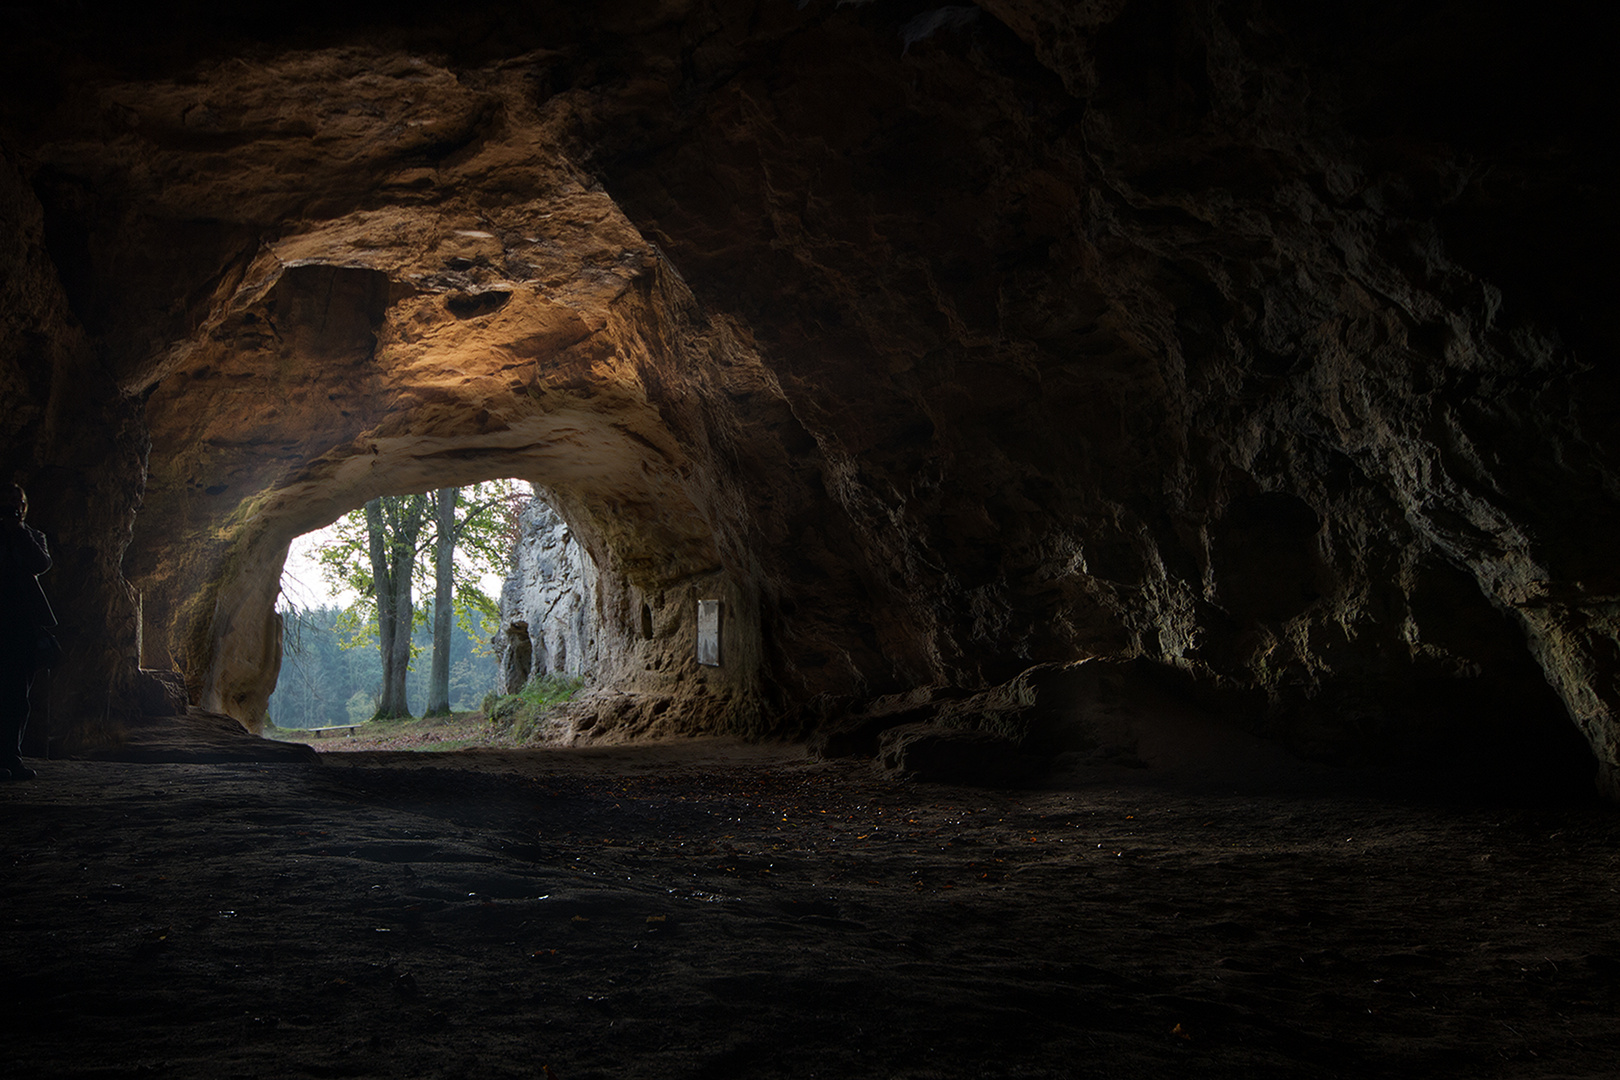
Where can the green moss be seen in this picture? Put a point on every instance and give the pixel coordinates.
(520, 713)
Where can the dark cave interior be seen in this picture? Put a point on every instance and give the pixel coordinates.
(1256, 348)
(1185, 430)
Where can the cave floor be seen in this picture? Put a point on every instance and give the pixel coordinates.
(708, 910)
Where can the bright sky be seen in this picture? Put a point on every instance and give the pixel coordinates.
(301, 580)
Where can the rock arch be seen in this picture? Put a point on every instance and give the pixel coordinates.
(357, 384)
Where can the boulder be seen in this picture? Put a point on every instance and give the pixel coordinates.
(932, 753)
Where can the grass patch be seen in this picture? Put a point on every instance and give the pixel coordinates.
(451, 732)
(520, 713)
(510, 720)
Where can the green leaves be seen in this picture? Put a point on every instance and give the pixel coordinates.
(383, 553)
(486, 526)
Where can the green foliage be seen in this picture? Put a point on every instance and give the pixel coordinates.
(486, 525)
(322, 679)
(522, 711)
(318, 677)
(361, 705)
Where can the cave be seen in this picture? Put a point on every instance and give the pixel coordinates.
(975, 399)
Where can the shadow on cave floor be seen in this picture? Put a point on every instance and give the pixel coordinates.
(710, 909)
(1227, 762)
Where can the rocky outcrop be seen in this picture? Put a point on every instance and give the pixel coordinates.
(515, 652)
(1257, 344)
(934, 754)
(549, 608)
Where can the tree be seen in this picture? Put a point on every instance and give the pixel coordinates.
(444, 583)
(318, 676)
(380, 553)
(313, 681)
(360, 706)
(393, 524)
(323, 682)
(483, 521)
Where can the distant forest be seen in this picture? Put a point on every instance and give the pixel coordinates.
(323, 684)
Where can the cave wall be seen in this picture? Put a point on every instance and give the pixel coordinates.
(77, 445)
(1259, 343)
(1163, 331)
(562, 615)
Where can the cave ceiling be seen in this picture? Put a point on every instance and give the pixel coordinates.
(1264, 347)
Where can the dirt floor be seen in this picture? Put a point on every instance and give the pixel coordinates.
(708, 909)
(459, 731)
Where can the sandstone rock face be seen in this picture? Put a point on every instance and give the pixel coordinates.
(549, 603)
(1258, 344)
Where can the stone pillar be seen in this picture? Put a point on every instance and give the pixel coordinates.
(516, 655)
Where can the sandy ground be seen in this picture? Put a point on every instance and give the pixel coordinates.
(708, 909)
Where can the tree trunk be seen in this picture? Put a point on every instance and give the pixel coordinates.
(383, 586)
(393, 522)
(398, 665)
(443, 601)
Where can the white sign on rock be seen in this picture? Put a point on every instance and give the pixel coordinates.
(708, 632)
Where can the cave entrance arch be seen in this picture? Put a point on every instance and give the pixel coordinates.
(651, 568)
(325, 385)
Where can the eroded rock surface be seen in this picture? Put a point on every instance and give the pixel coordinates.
(549, 607)
(1259, 344)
